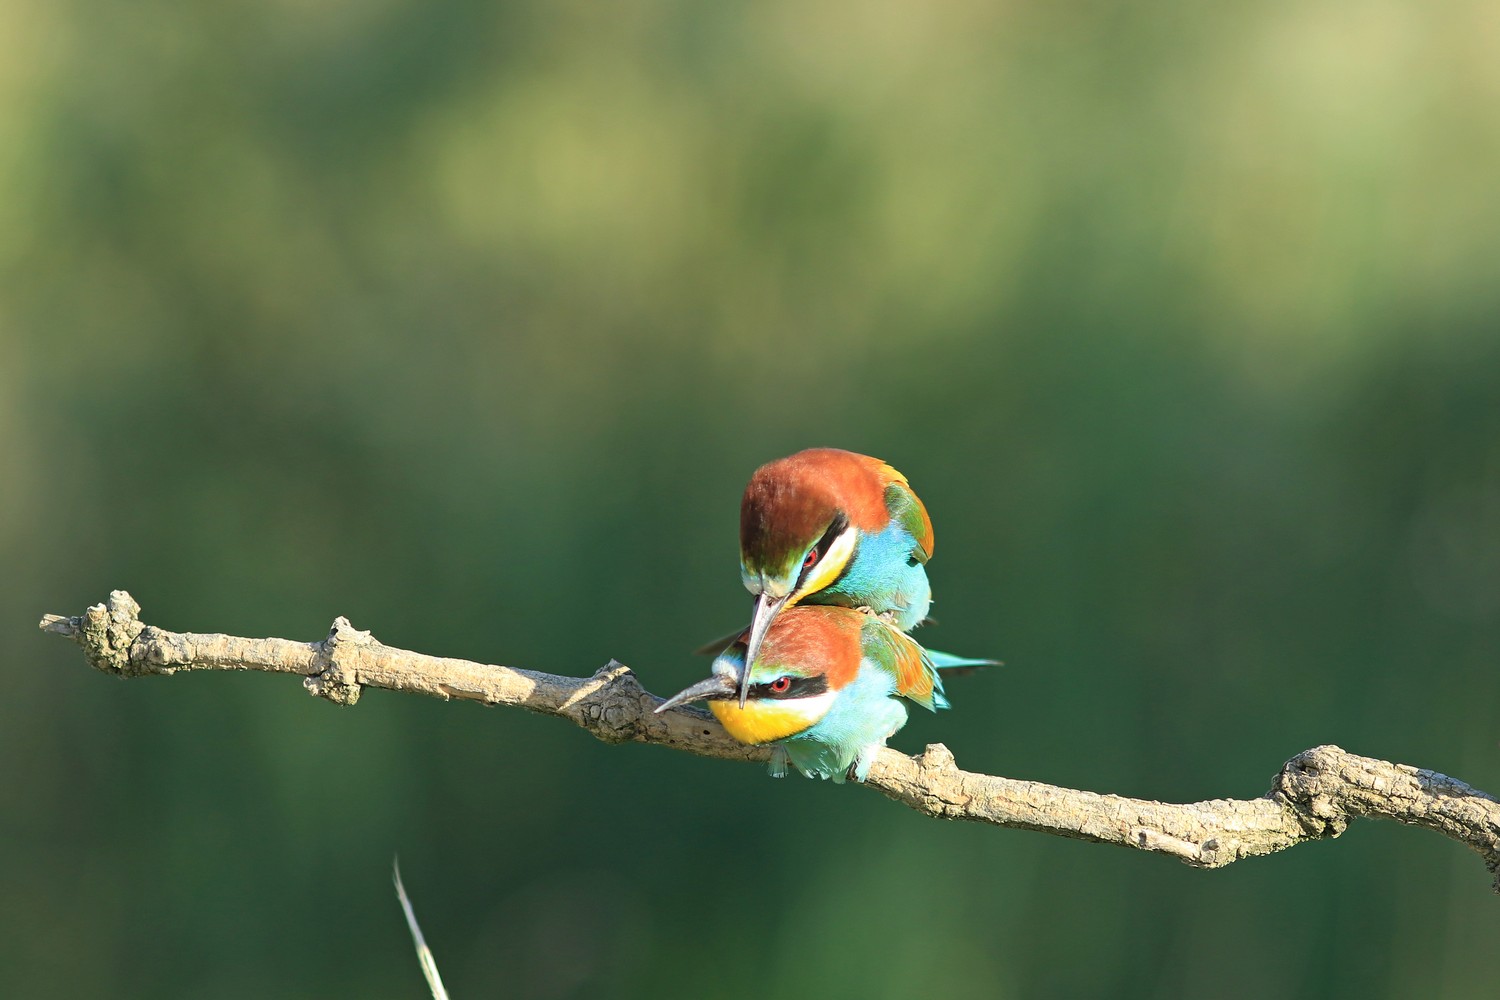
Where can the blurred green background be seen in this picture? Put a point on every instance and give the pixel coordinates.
(470, 320)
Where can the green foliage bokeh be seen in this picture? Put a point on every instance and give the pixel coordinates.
(469, 321)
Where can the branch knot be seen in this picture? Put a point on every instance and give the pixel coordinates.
(338, 681)
(1312, 784)
(937, 757)
(611, 705)
(106, 632)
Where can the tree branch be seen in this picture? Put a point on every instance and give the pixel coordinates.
(1316, 795)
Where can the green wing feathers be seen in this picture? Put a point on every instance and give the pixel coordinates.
(908, 510)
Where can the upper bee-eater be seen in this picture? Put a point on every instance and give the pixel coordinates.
(826, 526)
(825, 688)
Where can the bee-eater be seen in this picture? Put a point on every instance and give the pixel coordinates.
(825, 688)
(826, 526)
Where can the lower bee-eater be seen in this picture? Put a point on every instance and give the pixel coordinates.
(827, 688)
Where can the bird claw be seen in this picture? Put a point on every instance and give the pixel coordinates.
(889, 617)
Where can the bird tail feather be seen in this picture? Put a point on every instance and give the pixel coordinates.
(949, 665)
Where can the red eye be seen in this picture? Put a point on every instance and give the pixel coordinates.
(812, 557)
(781, 685)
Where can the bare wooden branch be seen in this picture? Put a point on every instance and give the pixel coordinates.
(1316, 794)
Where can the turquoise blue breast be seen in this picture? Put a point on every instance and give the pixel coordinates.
(864, 716)
(883, 576)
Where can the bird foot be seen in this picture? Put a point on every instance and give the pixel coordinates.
(889, 617)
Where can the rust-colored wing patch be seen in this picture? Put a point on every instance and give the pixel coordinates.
(916, 677)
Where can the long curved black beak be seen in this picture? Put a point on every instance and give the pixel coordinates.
(766, 609)
(718, 686)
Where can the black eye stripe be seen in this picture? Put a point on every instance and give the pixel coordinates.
(801, 687)
(835, 529)
(840, 522)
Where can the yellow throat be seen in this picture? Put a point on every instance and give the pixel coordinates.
(766, 720)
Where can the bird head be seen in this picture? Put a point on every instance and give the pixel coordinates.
(807, 655)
